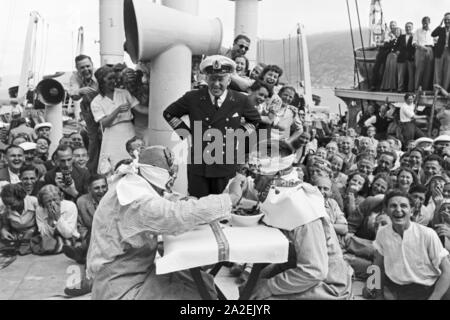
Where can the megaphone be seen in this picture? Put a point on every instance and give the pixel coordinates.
(50, 92)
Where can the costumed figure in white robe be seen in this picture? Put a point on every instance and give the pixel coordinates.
(317, 270)
(127, 224)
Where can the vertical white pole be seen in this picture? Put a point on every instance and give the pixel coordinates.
(170, 79)
(306, 68)
(53, 114)
(246, 22)
(112, 35)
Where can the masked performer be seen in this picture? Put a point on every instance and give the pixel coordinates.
(128, 221)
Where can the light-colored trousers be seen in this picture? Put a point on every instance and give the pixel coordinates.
(442, 70)
(424, 67)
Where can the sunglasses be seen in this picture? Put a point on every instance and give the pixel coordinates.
(243, 47)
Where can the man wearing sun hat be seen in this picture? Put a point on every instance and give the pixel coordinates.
(212, 109)
(440, 143)
(43, 130)
(425, 143)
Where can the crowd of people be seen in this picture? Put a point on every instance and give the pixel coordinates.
(410, 60)
(104, 198)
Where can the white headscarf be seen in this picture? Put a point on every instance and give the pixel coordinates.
(133, 186)
(288, 208)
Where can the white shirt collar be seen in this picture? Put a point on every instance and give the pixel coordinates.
(13, 177)
(221, 99)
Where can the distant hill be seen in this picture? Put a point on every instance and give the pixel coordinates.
(331, 58)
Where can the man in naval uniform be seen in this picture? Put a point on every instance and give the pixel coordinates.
(213, 111)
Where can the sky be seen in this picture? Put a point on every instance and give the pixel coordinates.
(277, 19)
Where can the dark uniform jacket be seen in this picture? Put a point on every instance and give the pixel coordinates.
(440, 45)
(198, 106)
(4, 174)
(406, 49)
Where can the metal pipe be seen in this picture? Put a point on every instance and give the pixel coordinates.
(53, 114)
(112, 36)
(167, 36)
(246, 22)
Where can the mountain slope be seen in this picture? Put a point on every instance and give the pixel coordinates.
(331, 58)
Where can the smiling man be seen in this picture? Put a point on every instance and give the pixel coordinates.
(414, 264)
(214, 112)
(82, 81)
(15, 160)
(241, 45)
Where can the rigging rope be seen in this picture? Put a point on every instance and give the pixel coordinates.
(362, 43)
(353, 45)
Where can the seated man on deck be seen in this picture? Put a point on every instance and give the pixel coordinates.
(317, 270)
(126, 227)
(413, 263)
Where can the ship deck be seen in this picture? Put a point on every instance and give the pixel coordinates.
(44, 278)
(426, 99)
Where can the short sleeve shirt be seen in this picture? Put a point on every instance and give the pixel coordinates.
(104, 106)
(415, 258)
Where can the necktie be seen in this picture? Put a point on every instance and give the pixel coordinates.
(216, 103)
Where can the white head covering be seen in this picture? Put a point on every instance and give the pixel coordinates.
(43, 125)
(424, 139)
(134, 186)
(27, 146)
(287, 207)
(444, 138)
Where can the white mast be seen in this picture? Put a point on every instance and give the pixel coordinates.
(306, 76)
(80, 41)
(246, 23)
(112, 35)
(28, 56)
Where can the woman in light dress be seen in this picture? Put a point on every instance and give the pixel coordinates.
(112, 109)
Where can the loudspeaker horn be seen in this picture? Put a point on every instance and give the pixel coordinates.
(50, 92)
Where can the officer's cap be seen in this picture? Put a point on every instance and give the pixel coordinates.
(217, 64)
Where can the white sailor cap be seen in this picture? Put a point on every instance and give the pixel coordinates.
(217, 64)
(28, 146)
(42, 125)
(444, 138)
(424, 139)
